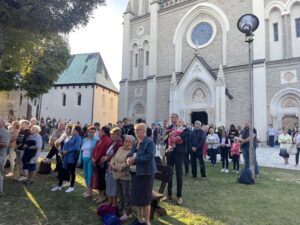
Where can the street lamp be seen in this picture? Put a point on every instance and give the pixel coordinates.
(19, 79)
(247, 24)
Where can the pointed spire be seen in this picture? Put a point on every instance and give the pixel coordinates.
(221, 78)
(129, 8)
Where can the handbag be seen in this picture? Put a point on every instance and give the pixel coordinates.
(45, 168)
(292, 149)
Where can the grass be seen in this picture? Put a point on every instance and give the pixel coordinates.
(273, 200)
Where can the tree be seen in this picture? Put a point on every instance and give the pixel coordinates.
(26, 27)
(38, 58)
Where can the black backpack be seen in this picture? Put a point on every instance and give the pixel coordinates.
(245, 177)
(45, 168)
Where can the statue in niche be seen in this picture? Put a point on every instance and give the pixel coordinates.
(198, 95)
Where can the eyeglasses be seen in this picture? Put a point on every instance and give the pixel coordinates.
(127, 140)
(139, 129)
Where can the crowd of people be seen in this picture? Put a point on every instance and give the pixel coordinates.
(118, 161)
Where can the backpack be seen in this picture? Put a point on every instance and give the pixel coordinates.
(245, 177)
(106, 209)
(111, 219)
(45, 168)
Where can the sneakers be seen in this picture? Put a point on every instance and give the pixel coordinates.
(27, 182)
(222, 170)
(179, 201)
(22, 178)
(166, 198)
(236, 171)
(226, 171)
(66, 184)
(10, 174)
(124, 217)
(69, 190)
(57, 188)
(86, 195)
(101, 199)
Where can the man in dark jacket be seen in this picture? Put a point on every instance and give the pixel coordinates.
(175, 158)
(197, 140)
(127, 128)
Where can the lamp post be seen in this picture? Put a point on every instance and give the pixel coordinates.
(247, 24)
(19, 79)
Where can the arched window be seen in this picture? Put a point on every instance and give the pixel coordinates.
(78, 98)
(21, 99)
(64, 99)
(103, 100)
(135, 62)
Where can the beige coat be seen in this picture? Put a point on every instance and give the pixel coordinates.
(13, 138)
(119, 161)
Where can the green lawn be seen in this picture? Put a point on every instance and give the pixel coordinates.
(274, 199)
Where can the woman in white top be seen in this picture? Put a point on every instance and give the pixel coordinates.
(212, 141)
(285, 141)
(297, 142)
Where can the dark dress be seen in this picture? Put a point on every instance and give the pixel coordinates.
(142, 179)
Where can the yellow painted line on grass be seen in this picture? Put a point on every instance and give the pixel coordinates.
(34, 202)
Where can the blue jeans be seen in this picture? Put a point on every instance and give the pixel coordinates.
(213, 156)
(245, 151)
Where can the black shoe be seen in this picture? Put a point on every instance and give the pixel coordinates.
(28, 182)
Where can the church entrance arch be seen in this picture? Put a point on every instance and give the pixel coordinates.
(285, 108)
(137, 110)
(201, 116)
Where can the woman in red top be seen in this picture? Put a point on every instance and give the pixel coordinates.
(99, 151)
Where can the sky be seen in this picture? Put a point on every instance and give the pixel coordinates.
(104, 34)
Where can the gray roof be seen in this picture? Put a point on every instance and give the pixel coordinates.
(86, 68)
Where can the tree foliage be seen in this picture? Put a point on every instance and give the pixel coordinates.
(47, 15)
(38, 58)
(29, 40)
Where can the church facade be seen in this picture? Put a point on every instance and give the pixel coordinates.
(188, 57)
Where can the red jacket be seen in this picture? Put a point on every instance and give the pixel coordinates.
(116, 147)
(235, 149)
(100, 148)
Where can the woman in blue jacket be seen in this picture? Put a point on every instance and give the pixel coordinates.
(87, 147)
(70, 154)
(142, 156)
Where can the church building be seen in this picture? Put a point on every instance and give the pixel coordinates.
(188, 57)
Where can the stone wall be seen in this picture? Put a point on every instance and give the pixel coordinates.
(9, 105)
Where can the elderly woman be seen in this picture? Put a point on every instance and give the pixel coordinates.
(59, 144)
(142, 155)
(111, 192)
(98, 179)
(87, 147)
(285, 140)
(32, 149)
(20, 142)
(120, 170)
(70, 153)
(14, 132)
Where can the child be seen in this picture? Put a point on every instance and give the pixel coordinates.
(235, 153)
(174, 136)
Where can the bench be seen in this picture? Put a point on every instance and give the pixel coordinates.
(163, 174)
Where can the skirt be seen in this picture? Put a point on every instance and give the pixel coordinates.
(283, 153)
(141, 190)
(111, 190)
